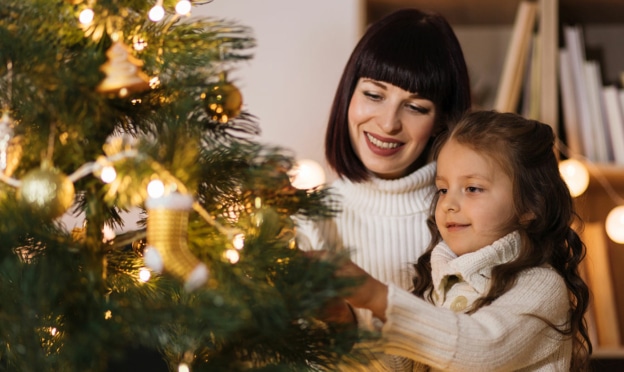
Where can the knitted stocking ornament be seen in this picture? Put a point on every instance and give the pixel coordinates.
(167, 249)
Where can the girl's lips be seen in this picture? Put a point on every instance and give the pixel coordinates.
(382, 147)
(455, 226)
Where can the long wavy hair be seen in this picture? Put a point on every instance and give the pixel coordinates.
(525, 150)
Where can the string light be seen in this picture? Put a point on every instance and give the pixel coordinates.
(108, 174)
(144, 274)
(231, 255)
(183, 7)
(86, 16)
(575, 175)
(239, 241)
(307, 174)
(615, 224)
(157, 13)
(155, 189)
(108, 234)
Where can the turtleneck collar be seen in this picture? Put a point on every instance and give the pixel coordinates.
(406, 195)
(476, 267)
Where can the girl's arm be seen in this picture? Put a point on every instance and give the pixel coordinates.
(509, 334)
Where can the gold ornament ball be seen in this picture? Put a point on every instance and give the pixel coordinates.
(223, 102)
(47, 191)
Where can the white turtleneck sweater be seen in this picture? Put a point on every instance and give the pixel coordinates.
(506, 335)
(382, 223)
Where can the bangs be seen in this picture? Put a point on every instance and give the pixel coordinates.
(413, 63)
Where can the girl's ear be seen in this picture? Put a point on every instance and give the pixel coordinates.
(526, 218)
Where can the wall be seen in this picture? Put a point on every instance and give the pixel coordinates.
(302, 49)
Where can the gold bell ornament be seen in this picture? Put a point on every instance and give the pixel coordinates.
(123, 72)
(223, 101)
(167, 248)
(47, 191)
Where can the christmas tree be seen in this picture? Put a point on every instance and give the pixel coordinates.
(111, 106)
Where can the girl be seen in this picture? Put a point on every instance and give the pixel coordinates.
(499, 287)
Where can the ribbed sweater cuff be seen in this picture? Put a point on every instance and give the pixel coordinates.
(417, 329)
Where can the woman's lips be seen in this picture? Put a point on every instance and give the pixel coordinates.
(382, 147)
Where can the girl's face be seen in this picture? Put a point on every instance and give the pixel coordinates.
(475, 206)
(389, 127)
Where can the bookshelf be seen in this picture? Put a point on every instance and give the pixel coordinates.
(594, 205)
(496, 12)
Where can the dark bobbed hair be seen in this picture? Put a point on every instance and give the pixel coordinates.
(411, 49)
(544, 212)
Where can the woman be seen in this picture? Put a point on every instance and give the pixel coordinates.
(405, 82)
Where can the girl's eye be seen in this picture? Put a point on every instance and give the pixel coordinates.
(473, 189)
(441, 191)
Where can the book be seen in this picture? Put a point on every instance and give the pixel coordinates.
(600, 130)
(615, 119)
(549, 44)
(569, 107)
(529, 105)
(574, 44)
(600, 281)
(510, 84)
(590, 317)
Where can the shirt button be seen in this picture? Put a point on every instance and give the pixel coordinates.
(459, 304)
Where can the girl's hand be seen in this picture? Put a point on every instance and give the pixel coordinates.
(338, 311)
(371, 294)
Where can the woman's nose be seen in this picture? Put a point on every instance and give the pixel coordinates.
(389, 121)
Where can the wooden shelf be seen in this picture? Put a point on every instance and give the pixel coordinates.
(497, 12)
(608, 353)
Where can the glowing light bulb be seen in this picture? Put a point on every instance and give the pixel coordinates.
(307, 174)
(86, 16)
(155, 189)
(615, 224)
(239, 241)
(156, 13)
(144, 274)
(108, 174)
(575, 175)
(231, 255)
(183, 7)
(108, 234)
(183, 367)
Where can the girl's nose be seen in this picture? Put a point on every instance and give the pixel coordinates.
(449, 202)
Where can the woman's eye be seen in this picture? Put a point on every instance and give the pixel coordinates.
(417, 108)
(441, 191)
(373, 96)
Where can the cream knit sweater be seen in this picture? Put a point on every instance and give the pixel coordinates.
(506, 335)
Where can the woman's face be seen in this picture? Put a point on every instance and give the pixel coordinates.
(389, 127)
